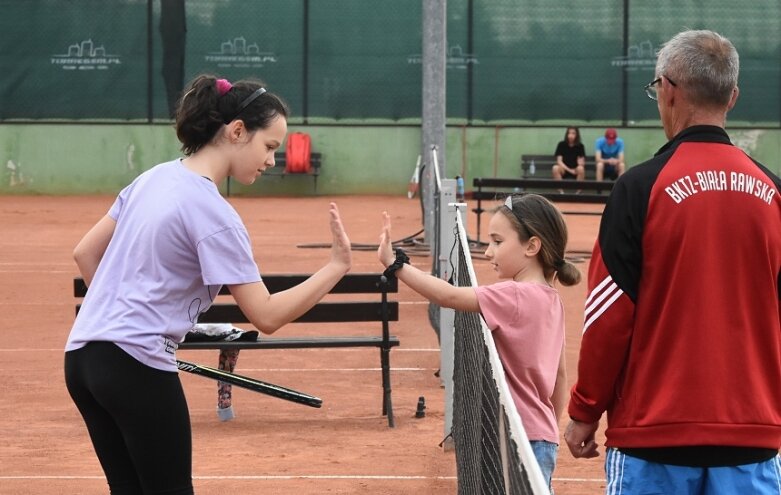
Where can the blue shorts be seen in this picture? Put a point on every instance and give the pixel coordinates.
(630, 475)
(545, 453)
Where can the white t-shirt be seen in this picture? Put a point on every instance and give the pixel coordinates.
(176, 242)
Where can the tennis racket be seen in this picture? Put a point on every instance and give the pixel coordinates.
(250, 384)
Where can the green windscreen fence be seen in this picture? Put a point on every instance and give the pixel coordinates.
(359, 61)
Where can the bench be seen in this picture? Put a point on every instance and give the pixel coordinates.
(543, 165)
(558, 191)
(279, 169)
(382, 311)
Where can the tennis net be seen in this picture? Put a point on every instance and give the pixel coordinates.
(493, 454)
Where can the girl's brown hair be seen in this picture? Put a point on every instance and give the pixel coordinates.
(534, 216)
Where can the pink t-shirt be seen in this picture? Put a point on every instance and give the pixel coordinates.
(527, 320)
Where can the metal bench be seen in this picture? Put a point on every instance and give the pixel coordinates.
(381, 311)
(539, 166)
(279, 170)
(564, 191)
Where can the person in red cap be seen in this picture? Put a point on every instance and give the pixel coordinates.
(609, 155)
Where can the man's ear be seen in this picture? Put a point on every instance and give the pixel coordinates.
(733, 98)
(668, 95)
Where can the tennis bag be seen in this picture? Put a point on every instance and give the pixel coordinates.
(298, 153)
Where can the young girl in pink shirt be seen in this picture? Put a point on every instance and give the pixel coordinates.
(523, 310)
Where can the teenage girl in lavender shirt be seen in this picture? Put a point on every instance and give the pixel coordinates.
(524, 310)
(155, 262)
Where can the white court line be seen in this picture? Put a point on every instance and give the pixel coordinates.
(332, 369)
(326, 477)
(29, 303)
(256, 477)
(401, 303)
(40, 271)
(62, 349)
(295, 477)
(22, 349)
(261, 370)
(38, 264)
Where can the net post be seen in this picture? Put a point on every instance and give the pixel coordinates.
(447, 239)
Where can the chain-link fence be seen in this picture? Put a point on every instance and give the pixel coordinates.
(358, 61)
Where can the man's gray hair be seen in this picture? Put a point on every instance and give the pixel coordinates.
(702, 63)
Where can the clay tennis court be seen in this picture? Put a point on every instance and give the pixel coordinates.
(273, 446)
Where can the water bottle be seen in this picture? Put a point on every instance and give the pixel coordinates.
(459, 188)
(532, 168)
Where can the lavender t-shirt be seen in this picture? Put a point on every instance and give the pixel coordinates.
(527, 323)
(176, 242)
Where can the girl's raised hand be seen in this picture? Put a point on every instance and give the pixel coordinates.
(385, 250)
(341, 252)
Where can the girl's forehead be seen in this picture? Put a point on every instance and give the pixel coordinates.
(500, 223)
(278, 127)
(276, 131)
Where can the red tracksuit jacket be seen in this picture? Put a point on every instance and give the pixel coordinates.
(682, 334)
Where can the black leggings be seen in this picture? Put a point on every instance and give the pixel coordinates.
(137, 419)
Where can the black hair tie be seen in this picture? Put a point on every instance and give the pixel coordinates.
(401, 259)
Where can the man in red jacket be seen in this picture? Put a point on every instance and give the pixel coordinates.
(682, 334)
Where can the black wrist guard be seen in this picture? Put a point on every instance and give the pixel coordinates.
(401, 259)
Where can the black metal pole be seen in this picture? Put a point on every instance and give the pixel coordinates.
(624, 72)
(470, 50)
(150, 111)
(305, 68)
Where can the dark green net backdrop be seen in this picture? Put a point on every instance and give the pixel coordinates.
(359, 61)
(72, 60)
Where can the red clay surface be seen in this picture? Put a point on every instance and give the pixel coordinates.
(272, 447)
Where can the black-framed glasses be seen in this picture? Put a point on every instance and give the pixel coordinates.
(650, 88)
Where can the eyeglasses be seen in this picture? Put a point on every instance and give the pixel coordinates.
(650, 88)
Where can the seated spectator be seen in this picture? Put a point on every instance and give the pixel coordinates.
(570, 157)
(609, 156)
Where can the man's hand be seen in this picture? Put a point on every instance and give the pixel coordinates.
(580, 439)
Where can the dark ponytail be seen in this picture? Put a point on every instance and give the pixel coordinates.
(202, 111)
